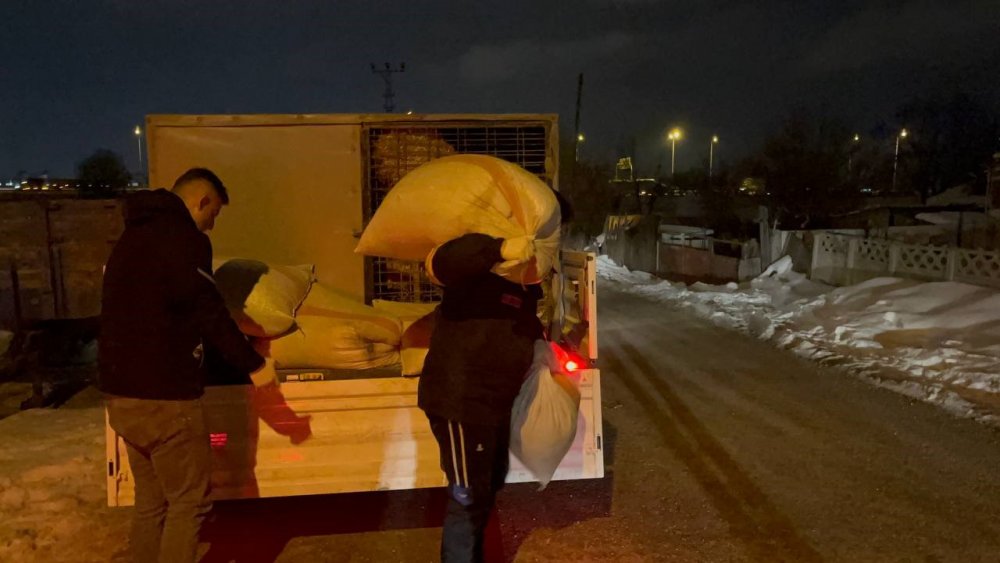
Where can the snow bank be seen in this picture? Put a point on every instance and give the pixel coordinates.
(940, 340)
(53, 504)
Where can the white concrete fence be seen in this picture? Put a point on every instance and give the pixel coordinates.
(840, 259)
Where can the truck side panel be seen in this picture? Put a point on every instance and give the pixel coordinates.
(295, 191)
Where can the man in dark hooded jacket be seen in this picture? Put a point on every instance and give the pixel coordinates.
(159, 310)
(482, 346)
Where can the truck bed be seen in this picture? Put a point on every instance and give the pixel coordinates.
(339, 435)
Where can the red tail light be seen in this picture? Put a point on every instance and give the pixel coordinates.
(218, 439)
(570, 361)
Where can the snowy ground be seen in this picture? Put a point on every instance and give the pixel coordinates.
(53, 500)
(939, 342)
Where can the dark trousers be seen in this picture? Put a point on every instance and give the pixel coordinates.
(475, 458)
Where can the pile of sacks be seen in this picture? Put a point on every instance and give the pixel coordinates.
(311, 325)
(314, 326)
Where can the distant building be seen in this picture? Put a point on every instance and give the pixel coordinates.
(46, 184)
(53, 185)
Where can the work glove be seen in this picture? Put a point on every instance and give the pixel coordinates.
(518, 249)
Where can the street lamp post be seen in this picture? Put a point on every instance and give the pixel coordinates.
(850, 154)
(138, 139)
(711, 154)
(674, 136)
(895, 158)
(579, 141)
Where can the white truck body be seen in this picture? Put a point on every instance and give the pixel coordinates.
(300, 189)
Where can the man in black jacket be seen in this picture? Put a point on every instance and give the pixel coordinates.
(480, 352)
(159, 309)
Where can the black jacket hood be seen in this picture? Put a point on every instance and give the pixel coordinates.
(144, 206)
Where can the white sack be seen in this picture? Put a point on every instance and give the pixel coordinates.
(544, 416)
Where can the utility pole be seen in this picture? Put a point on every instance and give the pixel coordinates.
(577, 136)
(674, 136)
(895, 157)
(138, 138)
(711, 156)
(386, 73)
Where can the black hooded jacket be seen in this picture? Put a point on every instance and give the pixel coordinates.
(484, 335)
(160, 306)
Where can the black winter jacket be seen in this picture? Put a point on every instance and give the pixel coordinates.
(483, 341)
(160, 307)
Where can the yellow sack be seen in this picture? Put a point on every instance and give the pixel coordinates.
(461, 194)
(372, 323)
(323, 342)
(334, 331)
(405, 312)
(418, 325)
(262, 298)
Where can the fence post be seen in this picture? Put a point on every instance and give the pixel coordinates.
(893, 257)
(952, 264)
(817, 249)
(852, 252)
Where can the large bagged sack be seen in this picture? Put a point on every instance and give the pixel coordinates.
(263, 298)
(417, 320)
(461, 194)
(334, 331)
(372, 323)
(543, 419)
(320, 342)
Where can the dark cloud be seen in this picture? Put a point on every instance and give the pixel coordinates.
(78, 74)
(923, 32)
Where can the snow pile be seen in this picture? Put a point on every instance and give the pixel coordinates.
(937, 341)
(53, 500)
(958, 195)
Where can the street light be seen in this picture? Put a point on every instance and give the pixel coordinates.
(579, 140)
(895, 158)
(711, 153)
(850, 154)
(674, 136)
(138, 139)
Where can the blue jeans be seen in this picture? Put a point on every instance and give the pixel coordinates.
(171, 461)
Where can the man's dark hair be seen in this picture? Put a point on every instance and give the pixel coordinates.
(565, 208)
(207, 175)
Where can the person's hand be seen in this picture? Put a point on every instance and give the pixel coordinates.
(518, 249)
(265, 375)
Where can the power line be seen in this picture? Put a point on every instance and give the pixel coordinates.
(386, 73)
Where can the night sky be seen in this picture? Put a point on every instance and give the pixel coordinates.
(77, 75)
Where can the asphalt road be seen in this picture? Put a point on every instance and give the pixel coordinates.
(718, 448)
